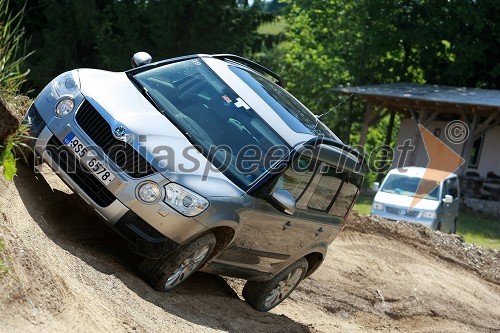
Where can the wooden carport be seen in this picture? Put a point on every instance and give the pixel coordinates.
(478, 108)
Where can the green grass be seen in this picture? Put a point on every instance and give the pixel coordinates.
(476, 228)
(273, 28)
(479, 229)
(364, 204)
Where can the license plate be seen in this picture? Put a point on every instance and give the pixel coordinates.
(89, 158)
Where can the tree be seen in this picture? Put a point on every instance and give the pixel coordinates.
(334, 43)
(105, 34)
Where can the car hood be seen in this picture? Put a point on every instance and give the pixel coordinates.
(155, 137)
(398, 200)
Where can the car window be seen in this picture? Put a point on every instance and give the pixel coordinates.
(451, 187)
(326, 190)
(297, 176)
(347, 195)
(293, 113)
(224, 128)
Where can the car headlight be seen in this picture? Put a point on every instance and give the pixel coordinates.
(148, 192)
(64, 106)
(184, 201)
(66, 84)
(377, 206)
(429, 214)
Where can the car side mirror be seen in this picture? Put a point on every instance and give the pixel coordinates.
(283, 201)
(141, 59)
(448, 199)
(375, 186)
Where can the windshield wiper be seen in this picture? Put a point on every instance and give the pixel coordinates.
(150, 98)
(145, 92)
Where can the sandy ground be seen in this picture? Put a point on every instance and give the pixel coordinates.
(68, 272)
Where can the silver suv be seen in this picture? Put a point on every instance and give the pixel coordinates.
(202, 163)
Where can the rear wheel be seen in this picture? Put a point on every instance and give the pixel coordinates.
(438, 227)
(454, 227)
(264, 296)
(167, 273)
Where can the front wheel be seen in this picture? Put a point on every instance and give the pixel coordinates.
(264, 296)
(454, 227)
(438, 227)
(167, 273)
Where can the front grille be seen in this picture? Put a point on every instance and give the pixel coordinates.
(68, 163)
(121, 153)
(400, 211)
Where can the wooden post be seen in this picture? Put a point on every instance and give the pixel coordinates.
(417, 138)
(388, 139)
(467, 148)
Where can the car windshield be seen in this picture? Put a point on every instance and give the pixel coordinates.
(405, 185)
(293, 113)
(217, 121)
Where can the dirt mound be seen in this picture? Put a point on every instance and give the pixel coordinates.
(69, 273)
(484, 262)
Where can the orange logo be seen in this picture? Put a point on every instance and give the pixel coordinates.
(443, 161)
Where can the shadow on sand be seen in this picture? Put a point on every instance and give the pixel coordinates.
(203, 299)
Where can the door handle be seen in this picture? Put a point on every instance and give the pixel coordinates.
(287, 225)
(319, 231)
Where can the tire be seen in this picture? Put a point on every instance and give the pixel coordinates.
(454, 227)
(167, 273)
(264, 296)
(438, 227)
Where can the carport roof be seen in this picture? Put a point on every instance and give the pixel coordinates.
(417, 96)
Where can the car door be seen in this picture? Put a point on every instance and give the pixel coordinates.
(450, 211)
(315, 204)
(330, 202)
(267, 236)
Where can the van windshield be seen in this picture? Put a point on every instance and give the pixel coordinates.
(405, 185)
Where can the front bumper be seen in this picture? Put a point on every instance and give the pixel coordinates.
(396, 217)
(144, 239)
(153, 230)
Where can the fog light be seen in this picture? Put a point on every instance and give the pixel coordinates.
(148, 192)
(64, 107)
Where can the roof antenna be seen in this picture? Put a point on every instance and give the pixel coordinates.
(321, 116)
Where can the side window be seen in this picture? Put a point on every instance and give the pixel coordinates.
(445, 189)
(326, 189)
(347, 195)
(296, 178)
(451, 187)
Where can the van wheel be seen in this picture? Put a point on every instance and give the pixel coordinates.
(167, 273)
(454, 227)
(438, 227)
(264, 296)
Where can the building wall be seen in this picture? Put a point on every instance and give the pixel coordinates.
(489, 158)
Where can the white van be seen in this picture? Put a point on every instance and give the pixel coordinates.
(438, 210)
